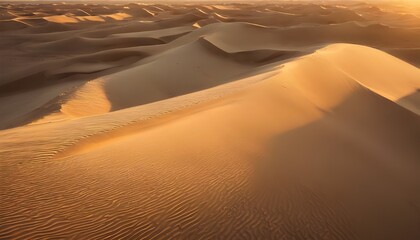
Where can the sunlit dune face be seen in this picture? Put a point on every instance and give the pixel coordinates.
(61, 19)
(76, 19)
(118, 16)
(90, 18)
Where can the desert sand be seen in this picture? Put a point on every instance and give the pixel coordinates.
(292, 120)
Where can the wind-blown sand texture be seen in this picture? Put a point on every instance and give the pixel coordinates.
(234, 121)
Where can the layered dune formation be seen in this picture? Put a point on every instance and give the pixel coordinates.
(268, 121)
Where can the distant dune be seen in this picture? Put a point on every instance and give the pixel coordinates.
(230, 121)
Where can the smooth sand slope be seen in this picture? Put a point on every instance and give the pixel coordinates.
(209, 122)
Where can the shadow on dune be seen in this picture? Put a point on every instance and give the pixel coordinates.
(362, 161)
(202, 65)
(411, 102)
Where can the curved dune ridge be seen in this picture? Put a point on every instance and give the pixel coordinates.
(232, 121)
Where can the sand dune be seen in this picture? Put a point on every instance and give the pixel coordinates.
(231, 121)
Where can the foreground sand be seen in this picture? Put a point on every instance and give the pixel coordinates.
(292, 121)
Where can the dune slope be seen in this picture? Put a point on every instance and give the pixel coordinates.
(272, 155)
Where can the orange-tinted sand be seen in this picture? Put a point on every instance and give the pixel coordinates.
(231, 121)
